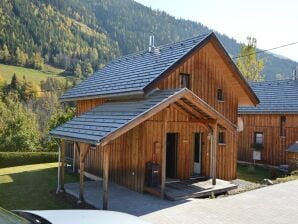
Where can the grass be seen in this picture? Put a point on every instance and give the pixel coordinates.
(257, 174)
(32, 187)
(7, 71)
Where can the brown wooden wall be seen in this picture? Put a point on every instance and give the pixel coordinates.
(131, 151)
(206, 75)
(84, 106)
(274, 152)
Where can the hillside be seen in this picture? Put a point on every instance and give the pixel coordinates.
(89, 33)
(7, 71)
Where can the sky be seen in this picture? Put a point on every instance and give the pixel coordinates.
(273, 23)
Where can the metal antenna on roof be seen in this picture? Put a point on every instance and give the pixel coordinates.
(151, 42)
(294, 73)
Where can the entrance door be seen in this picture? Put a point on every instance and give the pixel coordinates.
(171, 160)
(197, 152)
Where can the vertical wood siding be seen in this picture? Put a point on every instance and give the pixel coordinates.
(131, 151)
(274, 152)
(206, 76)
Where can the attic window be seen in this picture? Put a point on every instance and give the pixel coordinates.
(220, 95)
(184, 80)
(283, 126)
(221, 137)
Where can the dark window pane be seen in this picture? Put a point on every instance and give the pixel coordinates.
(220, 95)
(221, 137)
(184, 81)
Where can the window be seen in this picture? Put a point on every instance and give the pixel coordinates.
(259, 138)
(184, 80)
(283, 126)
(220, 96)
(221, 137)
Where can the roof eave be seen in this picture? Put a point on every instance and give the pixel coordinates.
(67, 138)
(252, 95)
(267, 112)
(101, 96)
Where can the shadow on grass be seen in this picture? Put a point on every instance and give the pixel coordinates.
(257, 174)
(34, 189)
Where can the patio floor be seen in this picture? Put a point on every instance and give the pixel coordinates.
(124, 200)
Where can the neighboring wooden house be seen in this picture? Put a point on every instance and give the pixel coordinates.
(272, 126)
(292, 156)
(175, 105)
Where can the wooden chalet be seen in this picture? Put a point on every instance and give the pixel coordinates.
(272, 126)
(174, 105)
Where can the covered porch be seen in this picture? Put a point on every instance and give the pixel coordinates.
(104, 130)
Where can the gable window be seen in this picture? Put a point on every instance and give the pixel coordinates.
(220, 95)
(259, 138)
(283, 126)
(184, 80)
(221, 137)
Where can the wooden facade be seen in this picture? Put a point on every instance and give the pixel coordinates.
(276, 141)
(209, 69)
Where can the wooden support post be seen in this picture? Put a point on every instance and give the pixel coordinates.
(164, 155)
(83, 150)
(106, 153)
(214, 149)
(62, 165)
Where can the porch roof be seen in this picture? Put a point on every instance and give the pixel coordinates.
(111, 119)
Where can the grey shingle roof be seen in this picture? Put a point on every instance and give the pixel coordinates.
(293, 148)
(279, 96)
(134, 72)
(94, 125)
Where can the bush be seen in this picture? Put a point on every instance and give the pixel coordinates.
(9, 159)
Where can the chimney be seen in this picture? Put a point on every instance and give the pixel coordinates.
(294, 73)
(151, 42)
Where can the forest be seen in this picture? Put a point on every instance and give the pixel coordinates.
(82, 36)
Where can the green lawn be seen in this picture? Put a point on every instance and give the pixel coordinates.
(257, 174)
(7, 71)
(32, 187)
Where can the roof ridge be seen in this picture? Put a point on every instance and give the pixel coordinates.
(272, 81)
(159, 46)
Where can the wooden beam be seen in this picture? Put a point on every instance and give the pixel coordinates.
(106, 155)
(214, 149)
(62, 165)
(157, 108)
(189, 109)
(210, 111)
(83, 149)
(164, 154)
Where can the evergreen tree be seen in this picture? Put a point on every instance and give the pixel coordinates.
(5, 54)
(14, 84)
(88, 69)
(248, 63)
(78, 71)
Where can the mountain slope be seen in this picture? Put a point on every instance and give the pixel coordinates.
(95, 31)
